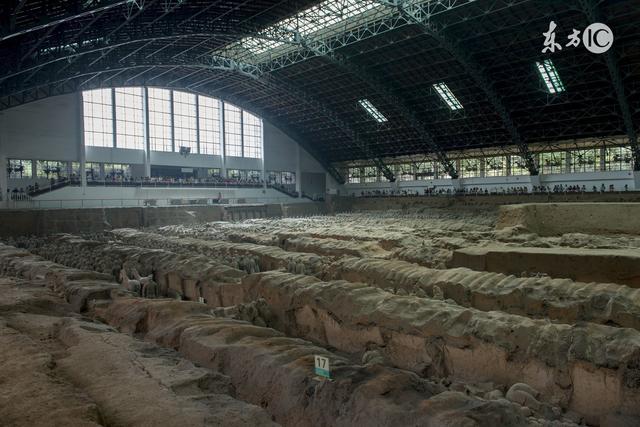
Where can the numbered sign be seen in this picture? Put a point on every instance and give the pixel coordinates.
(322, 366)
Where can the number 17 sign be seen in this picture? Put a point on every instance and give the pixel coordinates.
(322, 366)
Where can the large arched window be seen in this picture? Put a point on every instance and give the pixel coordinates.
(185, 117)
(129, 120)
(160, 119)
(209, 126)
(98, 117)
(117, 118)
(232, 130)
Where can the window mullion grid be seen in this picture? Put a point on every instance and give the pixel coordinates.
(146, 136)
(223, 138)
(114, 125)
(197, 101)
(173, 121)
(549, 75)
(242, 153)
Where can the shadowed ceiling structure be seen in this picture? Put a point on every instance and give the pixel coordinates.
(314, 68)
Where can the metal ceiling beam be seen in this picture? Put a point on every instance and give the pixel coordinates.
(479, 126)
(217, 18)
(310, 148)
(135, 76)
(107, 42)
(186, 76)
(157, 76)
(71, 57)
(593, 13)
(369, 24)
(250, 71)
(306, 98)
(299, 47)
(102, 6)
(73, 40)
(130, 18)
(391, 96)
(70, 84)
(19, 7)
(131, 4)
(37, 44)
(417, 15)
(14, 13)
(278, 122)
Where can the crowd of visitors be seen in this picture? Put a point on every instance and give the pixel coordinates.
(173, 181)
(478, 191)
(24, 193)
(17, 194)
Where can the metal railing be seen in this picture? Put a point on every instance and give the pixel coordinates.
(289, 189)
(124, 202)
(177, 184)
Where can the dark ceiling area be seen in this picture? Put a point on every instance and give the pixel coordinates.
(484, 50)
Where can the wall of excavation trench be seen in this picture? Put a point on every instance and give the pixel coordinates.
(257, 369)
(467, 326)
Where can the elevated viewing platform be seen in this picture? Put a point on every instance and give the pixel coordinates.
(69, 194)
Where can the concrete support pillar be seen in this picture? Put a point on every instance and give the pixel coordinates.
(603, 160)
(535, 180)
(396, 172)
(147, 138)
(262, 155)
(197, 99)
(223, 141)
(457, 184)
(4, 178)
(173, 122)
(114, 116)
(567, 163)
(82, 154)
(242, 154)
(4, 181)
(636, 180)
(298, 172)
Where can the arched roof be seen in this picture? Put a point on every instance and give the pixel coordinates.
(305, 65)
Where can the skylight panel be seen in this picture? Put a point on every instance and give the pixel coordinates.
(258, 46)
(373, 111)
(330, 12)
(447, 96)
(70, 46)
(550, 76)
(318, 18)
